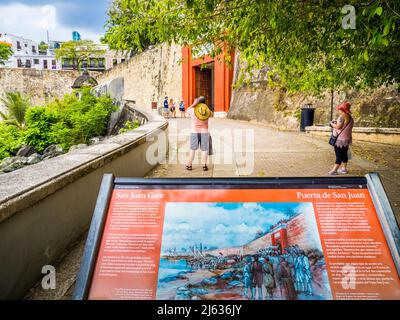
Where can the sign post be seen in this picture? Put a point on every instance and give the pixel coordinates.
(241, 238)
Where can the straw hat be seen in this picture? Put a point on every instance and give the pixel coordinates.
(202, 112)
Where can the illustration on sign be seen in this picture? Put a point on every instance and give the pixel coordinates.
(241, 250)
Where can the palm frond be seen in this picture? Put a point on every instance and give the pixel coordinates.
(16, 105)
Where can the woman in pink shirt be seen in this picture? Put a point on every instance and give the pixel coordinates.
(199, 136)
(342, 129)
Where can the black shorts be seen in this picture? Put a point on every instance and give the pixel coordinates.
(341, 154)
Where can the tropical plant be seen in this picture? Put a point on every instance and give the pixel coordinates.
(308, 46)
(79, 52)
(16, 105)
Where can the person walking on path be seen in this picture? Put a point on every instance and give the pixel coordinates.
(182, 109)
(342, 130)
(166, 107)
(172, 108)
(199, 136)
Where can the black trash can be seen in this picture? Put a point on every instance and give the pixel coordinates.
(307, 116)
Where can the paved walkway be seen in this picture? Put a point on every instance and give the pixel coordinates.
(247, 149)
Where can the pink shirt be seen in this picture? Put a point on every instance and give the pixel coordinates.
(345, 137)
(198, 126)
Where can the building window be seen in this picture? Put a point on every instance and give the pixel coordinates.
(28, 64)
(19, 63)
(19, 45)
(84, 64)
(122, 60)
(53, 64)
(33, 49)
(101, 63)
(66, 63)
(93, 63)
(26, 45)
(115, 62)
(45, 64)
(35, 61)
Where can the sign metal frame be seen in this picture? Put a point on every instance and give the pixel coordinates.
(372, 181)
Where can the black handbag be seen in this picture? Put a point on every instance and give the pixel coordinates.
(333, 139)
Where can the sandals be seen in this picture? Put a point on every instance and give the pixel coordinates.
(190, 168)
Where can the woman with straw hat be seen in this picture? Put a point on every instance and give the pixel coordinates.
(342, 131)
(199, 136)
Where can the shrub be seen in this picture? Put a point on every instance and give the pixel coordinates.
(89, 117)
(39, 123)
(65, 122)
(10, 140)
(68, 121)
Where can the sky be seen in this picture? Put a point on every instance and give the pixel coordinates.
(224, 225)
(32, 18)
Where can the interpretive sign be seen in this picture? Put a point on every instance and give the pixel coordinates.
(252, 238)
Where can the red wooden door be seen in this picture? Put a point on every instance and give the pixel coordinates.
(203, 84)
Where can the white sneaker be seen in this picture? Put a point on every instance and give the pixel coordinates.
(333, 173)
(342, 171)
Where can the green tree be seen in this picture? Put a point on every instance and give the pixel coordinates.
(16, 106)
(79, 52)
(5, 52)
(120, 36)
(307, 45)
(43, 47)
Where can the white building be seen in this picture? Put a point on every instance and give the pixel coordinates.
(26, 54)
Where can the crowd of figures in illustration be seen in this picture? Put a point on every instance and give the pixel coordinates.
(269, 269)
(267, 274)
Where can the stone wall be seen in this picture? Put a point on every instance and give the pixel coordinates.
(256, 101)
(39, 85)
(150, 75)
